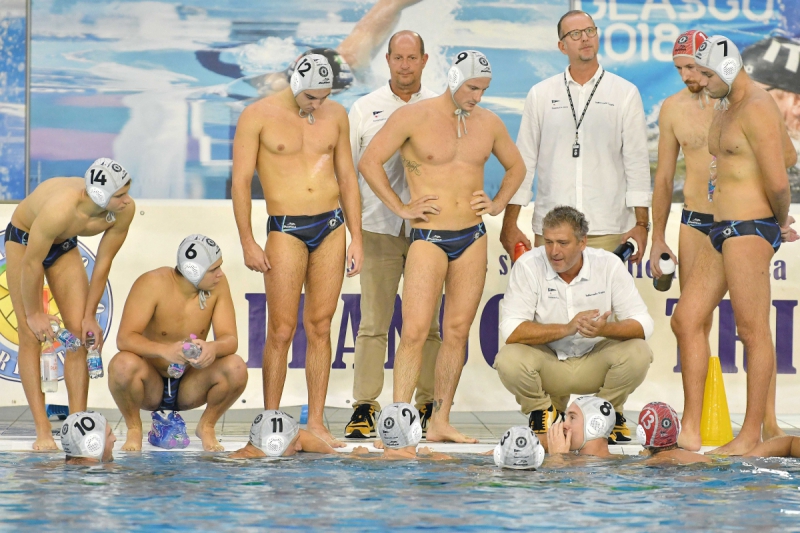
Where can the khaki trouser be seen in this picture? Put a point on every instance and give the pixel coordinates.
(536, 378)
(384, 259)
(604, 242)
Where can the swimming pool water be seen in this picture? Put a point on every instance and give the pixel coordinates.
(195, 491)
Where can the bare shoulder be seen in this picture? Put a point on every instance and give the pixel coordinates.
(155, 282)
(260, 111)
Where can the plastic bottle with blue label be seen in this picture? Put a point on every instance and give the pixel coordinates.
(67, 339)
(93, 359)
(48, 364)
(190, 351)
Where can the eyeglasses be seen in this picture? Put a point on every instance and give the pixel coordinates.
(575, 35)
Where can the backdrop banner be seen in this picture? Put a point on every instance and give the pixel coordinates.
(155, 236)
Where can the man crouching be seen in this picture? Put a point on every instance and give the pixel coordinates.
(164, 307)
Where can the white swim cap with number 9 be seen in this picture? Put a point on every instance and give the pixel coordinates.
(272, 432)
(598, 418)
(468, 64)
(398, 426)
(83, 434)
(196, 254)
(312, 72)
(103, 179)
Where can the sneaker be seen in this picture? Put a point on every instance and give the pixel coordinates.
(540, 421)
(424, 417)
(621, 431)
(168, 432)
(362, 423)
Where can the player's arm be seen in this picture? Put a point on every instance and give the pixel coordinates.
(349, 195)
(780, 447)
(223, 320)
(137, 314)
(508, 154)
(313, 444)
(245, 152)
(107, 250)
(389, 139)
(45, 229)
(764, 128)
(636, 162)
(668, 150)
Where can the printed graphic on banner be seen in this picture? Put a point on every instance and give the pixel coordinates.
(9, 336)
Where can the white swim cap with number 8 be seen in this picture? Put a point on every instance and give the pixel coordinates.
(103, 179)
(196, 254)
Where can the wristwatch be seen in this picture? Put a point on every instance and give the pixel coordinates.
(645, 225)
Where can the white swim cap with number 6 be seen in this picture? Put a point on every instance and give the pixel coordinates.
(103, 179)
(196, 254)
(272, 432)
(83, 434)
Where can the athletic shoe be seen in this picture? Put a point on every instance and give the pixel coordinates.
(540, 421)
(362, 423)
(168, 432)
(425, 417)
(621, 432)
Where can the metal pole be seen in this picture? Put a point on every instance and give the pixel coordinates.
(28, 97)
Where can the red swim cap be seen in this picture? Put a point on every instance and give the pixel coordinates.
(659, 425)
(688, 43)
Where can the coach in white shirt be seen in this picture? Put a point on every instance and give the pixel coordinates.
(385, 240)
(555, 319)
(590, 153)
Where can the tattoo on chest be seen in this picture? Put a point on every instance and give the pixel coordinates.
(412, 166)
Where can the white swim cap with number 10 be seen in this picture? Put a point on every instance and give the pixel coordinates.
(103, 179)
(84, 435)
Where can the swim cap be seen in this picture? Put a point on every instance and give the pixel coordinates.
(312, 72)
(598, 418)
(103, 179)
(469, 64)
(272, 432)
(398, 426)
(519, 449)
(659, 425)
(721, 55)
(342, 75)
(84, 435)
(774, 62)
(196, 254)
(687, 43)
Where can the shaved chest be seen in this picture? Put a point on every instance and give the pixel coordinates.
(175, 318)
(692, 127)
(291, 137)
(725, 136)
(439, 144)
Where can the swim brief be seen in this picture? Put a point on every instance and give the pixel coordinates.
(766, 228)
(312, 230)
(14, 234)
(702, 222)
(169, 400)
(453, 243)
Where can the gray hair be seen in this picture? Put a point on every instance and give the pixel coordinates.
(565, 214)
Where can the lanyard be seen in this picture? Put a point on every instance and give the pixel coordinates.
(576, 148)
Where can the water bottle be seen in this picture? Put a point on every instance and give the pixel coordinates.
(93, 359)
(667, 266)
(624, 250)
(190, 351)
(519, 249)
(67, 339)
(48, 364)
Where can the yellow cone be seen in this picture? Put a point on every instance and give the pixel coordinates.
(715, 425)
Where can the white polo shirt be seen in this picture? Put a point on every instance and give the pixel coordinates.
(368, 115)
(612, 174)
(535, 293)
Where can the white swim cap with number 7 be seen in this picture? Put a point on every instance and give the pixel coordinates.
(103, 179)
(196, 254)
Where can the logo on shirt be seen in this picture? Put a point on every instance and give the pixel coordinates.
(376, 113)
(604, 103)
(595, 293)
(554, 101)
(552, 293)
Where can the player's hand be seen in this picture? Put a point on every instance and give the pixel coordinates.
(483, 205)
(40, 326)
(788, 233)
(639, 235)
(593, 327)
(90, 324)
(420, 208)
(572, 326)
(207, 356)
(255, 258)
(510, 235)
(360, 450)
(659, 247)
(557, 441)
(355, 258)
(173, 353)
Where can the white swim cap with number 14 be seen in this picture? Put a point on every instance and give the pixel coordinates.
(103, 179)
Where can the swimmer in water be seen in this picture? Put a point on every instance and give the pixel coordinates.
(658, 430)
(87, 439)
(400, 431)
(587, 424)
(299, 142)
(519, 449)
(277, 434)
(41, 242)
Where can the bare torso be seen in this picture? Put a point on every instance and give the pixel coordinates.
(690, 124)
(740, 192)
(175, 316)
(439, 163)
(295, 158)
(60, 194)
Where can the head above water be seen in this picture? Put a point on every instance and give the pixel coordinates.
(399, 426)
(719, 62)
(578, 37)
(519, 449)
(406, 58)
(564, 230)
(199, 260)
(659, 426)
(686, 46)
(87, 435)
(590, 418)
(274, 433)
(107, 184)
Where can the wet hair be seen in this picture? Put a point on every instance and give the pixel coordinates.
(408, 32)
(569, 14)
(565, 214)
(654, 450)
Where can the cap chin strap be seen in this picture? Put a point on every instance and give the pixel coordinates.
(461, 117)
(204, 295)
(310, 116)
(111, 217)
(723, 103)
